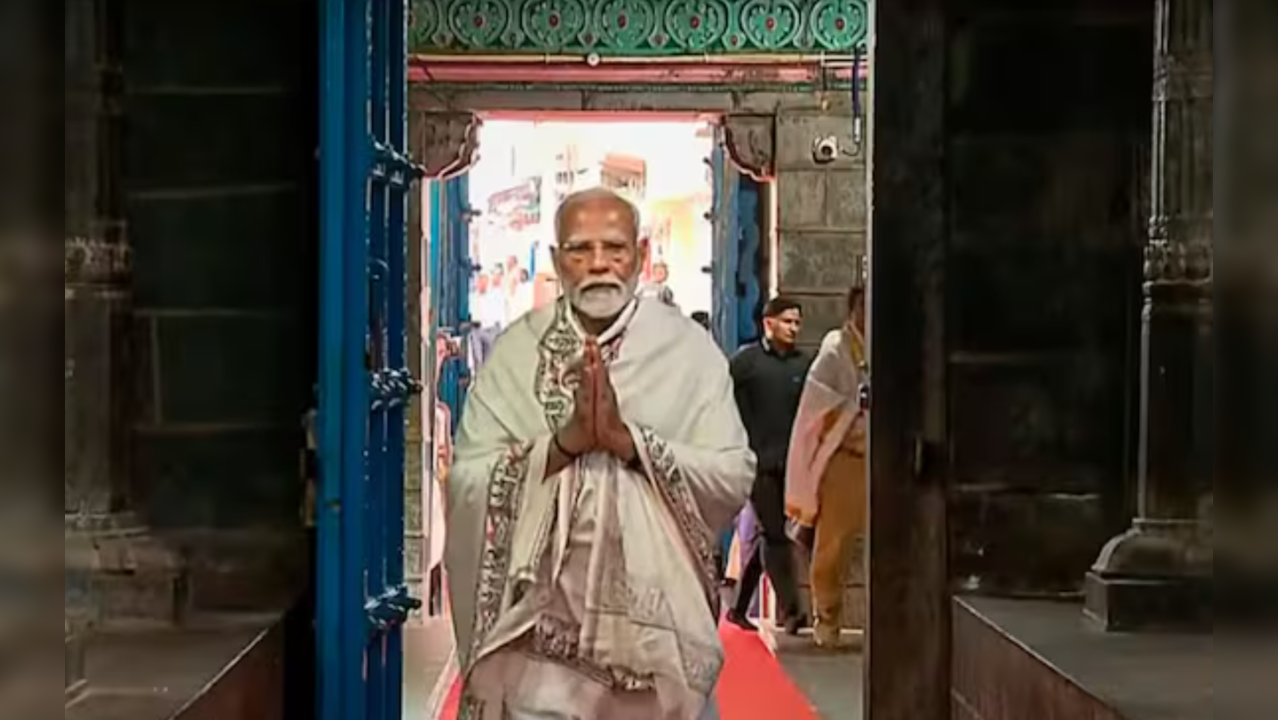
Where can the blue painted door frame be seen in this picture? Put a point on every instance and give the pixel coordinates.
(365, 175)
(749, 270)
(453, 268)
(735, 269)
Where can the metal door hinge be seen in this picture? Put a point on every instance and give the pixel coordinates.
(391, 388)
(391, 610)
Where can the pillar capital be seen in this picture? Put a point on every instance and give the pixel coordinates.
(750, 143)
(447, 144)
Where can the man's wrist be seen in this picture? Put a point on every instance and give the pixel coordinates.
(557, 442)
(624, 448)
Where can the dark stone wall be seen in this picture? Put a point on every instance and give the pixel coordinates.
(218, 169)
(1049, 128)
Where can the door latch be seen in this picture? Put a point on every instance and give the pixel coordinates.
(391, 610)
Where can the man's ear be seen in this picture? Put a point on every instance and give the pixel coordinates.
(645, 250)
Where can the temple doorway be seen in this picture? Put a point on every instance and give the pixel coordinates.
(488, 230)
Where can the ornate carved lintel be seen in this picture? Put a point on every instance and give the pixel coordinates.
(95, 262)
(750, 142)
(448, 143)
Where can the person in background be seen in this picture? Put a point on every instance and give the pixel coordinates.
(768, 377)
(587, 496)
(657, 288)
(488, 316)
(522, 300)
(826, 472)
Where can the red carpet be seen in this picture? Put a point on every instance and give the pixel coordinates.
(753, 686)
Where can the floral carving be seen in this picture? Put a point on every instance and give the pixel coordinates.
(839, 25)
(622, 24)
(696, 25)
(771, 24)
(637, 27)
(478, 24)
(553, 23)
(423, 23)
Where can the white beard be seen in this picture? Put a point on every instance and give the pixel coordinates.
(603, 302)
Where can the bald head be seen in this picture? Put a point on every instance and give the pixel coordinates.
(596, 201)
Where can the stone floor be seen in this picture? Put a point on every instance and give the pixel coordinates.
(832, 682)
(428, 652)
(151, 673)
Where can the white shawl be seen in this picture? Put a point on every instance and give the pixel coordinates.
(833, 386)
(651, 590)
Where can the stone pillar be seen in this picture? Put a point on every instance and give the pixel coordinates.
(80, 183)
(113, 568)
(1158, 575)
(96, 280)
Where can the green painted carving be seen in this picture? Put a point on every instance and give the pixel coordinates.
(624, 26)
(479, 23)
(637, 27)
(839, 23)
(423, 23)
(697, 25)
(773, 24)
(550, 23)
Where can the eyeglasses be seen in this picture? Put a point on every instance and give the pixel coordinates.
(586, 250)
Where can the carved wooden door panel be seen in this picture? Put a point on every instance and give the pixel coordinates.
(364, 387)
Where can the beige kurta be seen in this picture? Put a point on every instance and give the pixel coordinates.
(590, 594)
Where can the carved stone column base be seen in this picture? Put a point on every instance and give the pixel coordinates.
(118, 572)
(1118, 604)
(1155, 577)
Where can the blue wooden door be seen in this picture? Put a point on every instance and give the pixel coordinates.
(365, 175)
(736, 266)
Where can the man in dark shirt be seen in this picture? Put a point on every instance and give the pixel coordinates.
(768, 378)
